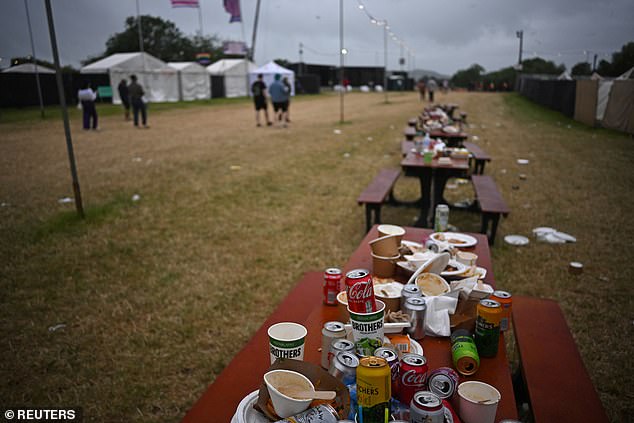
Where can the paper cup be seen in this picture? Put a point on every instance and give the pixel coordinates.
(284, 405)
(286, 340)
(478, 402)
(467, 258)
(385, 230)
(367, 329)
(384, 267)
(385, 246)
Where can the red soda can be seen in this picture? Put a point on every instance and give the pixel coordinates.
(332, 276)
(412, 376)
(360, 291)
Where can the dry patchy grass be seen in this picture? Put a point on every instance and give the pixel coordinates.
(159, 294)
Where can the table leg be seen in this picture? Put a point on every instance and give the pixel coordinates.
(425, 179)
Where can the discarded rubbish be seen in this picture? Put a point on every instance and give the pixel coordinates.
(136, 197)
(336, 131)
(65, 200)
(346, 155)
(575, 268)
(391, 126)
(235, 167)
(4, 204)
(502, 171)
(517, 240)
(522, 176)
(56, 327)
(552, 236)
(523, 161)
(137, 159)
(451, 186)
(475, 138)
(370, 139)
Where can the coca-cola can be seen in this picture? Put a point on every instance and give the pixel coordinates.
(391, 356)
(343, 366)
(416, 309)
(443, 382)
(412, 376)
(360, 291)
(339, 345)
(426, 407)
(410, 290)
(330, 331)
(322, 413)
(332, 276)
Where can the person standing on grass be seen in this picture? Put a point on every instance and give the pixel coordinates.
(87, 98)
(287, 86)
(258, 89)
(431, 88)
(136, 93)
(421, 89)
(125, 98)
(279, 97)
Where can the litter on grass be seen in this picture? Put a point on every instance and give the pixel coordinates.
(4, 204)
(336, 131)
(137, 159)
(65, 200)
(235, 167)
(517, 240)
(346, 155)
(523, 161)
(552, 235)
(475, 138)
(56, 327)
(370, 139)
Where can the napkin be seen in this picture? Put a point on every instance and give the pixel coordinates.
(437, 315)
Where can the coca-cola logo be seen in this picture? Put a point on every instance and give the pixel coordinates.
(413, 378)
(360, 291)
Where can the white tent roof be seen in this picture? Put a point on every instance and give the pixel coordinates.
(187, 67)
(628, 74)
(273, 67)
(135, 61)
(595, 76)
(224, 66)
(565, 76)
(28, 68)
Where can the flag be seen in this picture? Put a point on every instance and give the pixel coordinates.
(185, 3)
(233, 8)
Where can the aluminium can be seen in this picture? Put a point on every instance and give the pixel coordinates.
(443, 382)
(360, 290)
(330, 331)
(441, 220)
(391, 356)
(412, 376)
(464, 352)
(506, 300)
(323, 413)
(487, 327)
(426, 407)
(416, 309)
(374, 390)
(409, 290)
(339, 345)
(344, 367)
(332, 277)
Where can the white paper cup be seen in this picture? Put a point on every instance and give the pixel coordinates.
(467, 258)
(478, 402)
(367, 329)
(286, 406)
(286, 340)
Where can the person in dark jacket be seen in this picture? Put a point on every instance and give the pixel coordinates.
(87, 98)
(136, 93)
(125, 98)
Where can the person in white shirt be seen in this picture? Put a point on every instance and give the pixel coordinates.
(431, 88)
(87, 98)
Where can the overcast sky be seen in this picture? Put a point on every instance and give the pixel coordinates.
(443, 35)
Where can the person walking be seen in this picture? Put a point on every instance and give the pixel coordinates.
(135, 94)
(125, 98)
(287, 86)
(431, 88)
(279, 97)
(421, 89)
(87, 98)
(258, 89)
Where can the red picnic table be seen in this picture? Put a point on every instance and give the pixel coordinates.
(304, 305)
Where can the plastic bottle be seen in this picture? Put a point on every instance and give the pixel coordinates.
(426, 142)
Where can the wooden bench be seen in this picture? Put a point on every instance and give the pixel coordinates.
(551, 369)
(378, 192)
(478, 155)
(409, 132)
(491, 204)
(406, 147)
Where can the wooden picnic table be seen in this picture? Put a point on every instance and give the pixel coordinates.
(451, 139)
(244, 373)
(433, 178)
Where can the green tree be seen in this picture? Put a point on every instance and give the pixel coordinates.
(162, 39)
(622, 61)
(468, 77)
(541, 66)
(581, 68)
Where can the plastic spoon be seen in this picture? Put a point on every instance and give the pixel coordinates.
(300, 393)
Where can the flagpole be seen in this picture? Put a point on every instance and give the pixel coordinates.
(37, 73)
(200, 18)
(255, 29)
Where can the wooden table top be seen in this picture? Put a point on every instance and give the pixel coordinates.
(244, 374)
(414, 160)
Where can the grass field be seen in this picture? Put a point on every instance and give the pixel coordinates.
(157, 295)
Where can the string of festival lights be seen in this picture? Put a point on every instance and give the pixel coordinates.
(381, 22)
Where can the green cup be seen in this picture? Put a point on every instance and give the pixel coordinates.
(428, 156)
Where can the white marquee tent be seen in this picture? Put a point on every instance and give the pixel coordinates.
(159, 81)
(235, 73)
(194, 83)
(28, 68)
(269, 71)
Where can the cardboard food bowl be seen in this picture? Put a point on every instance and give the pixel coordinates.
(321, 380)
(342, 307)
(432, 285)
(385, 246)
(385, 230)
(384, 267)
(390, 294)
